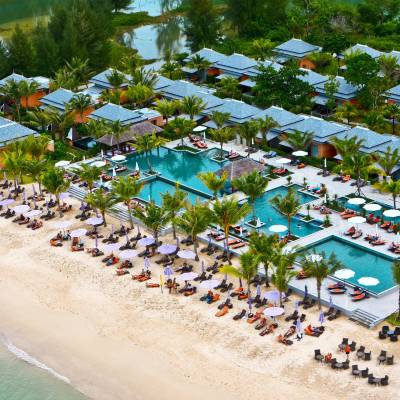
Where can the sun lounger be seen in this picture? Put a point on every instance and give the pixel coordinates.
(239, 315)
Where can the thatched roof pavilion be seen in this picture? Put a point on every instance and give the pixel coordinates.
(241, 167)
(140, 129)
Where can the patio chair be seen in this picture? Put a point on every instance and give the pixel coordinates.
(385, 381)
(397, 330)
(360, 352)
(367, 356)
(355, 371)
(390, 360)
(382, 335)
(382, 357)
(393, 338)
(353, 345)
(364, 373)
(318, 356)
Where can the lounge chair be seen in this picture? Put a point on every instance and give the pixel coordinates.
(239, 315)
(318, 356)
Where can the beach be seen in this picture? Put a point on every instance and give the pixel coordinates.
(114, 339)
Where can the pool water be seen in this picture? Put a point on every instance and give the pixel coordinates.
(270, 216)
(178, 166)
(360, 259)
(155, 188)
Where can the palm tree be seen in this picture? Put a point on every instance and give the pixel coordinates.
(139, 94)
(375, 120)
(14, 163)
(64, 78)
(131, 63)
(389, 66)
(265, 125)
(393, 112)
(347, 111)
(300, 140)
(252, 185)
(89, 174)
(222, 135)
(61, 122)
(200, 64)
(80, 103)
(152, 216)
(288, 205)
(146, 144)
(96, 128)
(166, 108)
(182, 127)
(12, 91)
(35, 168)
(116, 79)
(38, 119)
(248, 131)
(171, 70)
(102, 201)
(192, 105)
(226, 213)
(247, 269)
(213, 182)
(220, 118)
(111, 96)
(116, 130)
(143, 77)
(195, 219)
(125, 189)
(54, 181)
(79, 69)
(36, 147)
(389, 160)
(173, 203)
(261, 48)
(266, 248)
(396, 278)
(347, 145)
(319, 267)
(282, 273)
(28, 88)
(228, 87)
(392, 187)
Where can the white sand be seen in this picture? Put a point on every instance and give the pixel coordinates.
(115, 339)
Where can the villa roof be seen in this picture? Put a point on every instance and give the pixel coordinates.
(42, 82)
(296, 48)
(239, 111)
(235, 64)
(101, 79)
(162, 82)
(140, 129)
(58, 99)
(11, 131)
(312, 78)
(112, 113)
(255, 71)
(393, 94)
(210, 55)
(345, 91)
(241, 167)
(362, 48)
(322, 130)
(280, 116)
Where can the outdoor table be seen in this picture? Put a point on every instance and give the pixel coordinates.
(390, 333)
(338, 365)
(360, 354)
(377, 381)
(356, 372)
(381, 359)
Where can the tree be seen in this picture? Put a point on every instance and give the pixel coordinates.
(14, 163)
(20, 51)
(182, 127)
(143, 77)
(166, 108)
(392, 111)
(80, 103)
(195, 219)
(35, 168)
(173, 203)
(200, 64)
(213, 182)
(64, 78)
(116, 130)
(396, 278)
(36, 147)
(282, 274)
(261, 49)
(347, 111)
(96, 128)
(347, 145)
(27, 89)
(38, 119)
(116, 79)
(61, 122)
(152, 216)
(120, 4)
(248, 131)
(389, 160)
(300, 140)
(266, 248)
(125, 189)
(12, 91)
(139, 94)
(319, 267)
(101, 200)
(375, 120)
(220, 118)
(288, 205)
(331, 86)
(202, 26)
(89, 174)
(54, 181)
(192, 105)
(172, 70)
(265, 125)
(392, 187)
(222, 135)
(389, 66)
(226, 213)
(146, 144)
(228, 87)
(361, 68)
(79, 69)
(252, 185)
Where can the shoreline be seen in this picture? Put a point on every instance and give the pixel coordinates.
(115, 339)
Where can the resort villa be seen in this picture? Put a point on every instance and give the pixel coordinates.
(362, 49)
(11, 131)
(393, 95)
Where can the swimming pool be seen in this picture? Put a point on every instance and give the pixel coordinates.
(178, 166)
(362, 260)
(270, 216)
(154, 188)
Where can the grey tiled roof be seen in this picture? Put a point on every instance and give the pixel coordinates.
(280, 116)
(11, 131)
(162, 82)
(254, 71)
(210, 55)
(43, 83)
(362, 48)
(101, 79)
(394, 94)
(112, 112)
(240, 112)
(58, 99)
(296, 48)
(312, 78)
(345, 91)
(235, 64)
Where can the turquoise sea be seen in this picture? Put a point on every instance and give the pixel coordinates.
(24, 378)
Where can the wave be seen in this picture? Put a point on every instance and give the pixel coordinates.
(24, 356)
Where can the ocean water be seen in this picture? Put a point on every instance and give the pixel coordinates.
(22, 377)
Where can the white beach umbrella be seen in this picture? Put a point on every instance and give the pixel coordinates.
(314, 257)
(391, 213)
(21, 208)
(127, 254)
(98, 164)
(118, 158)
(210, 284)
(284, 161)
(277, 228)
(166, 249)
(32, 213)
(78, 233)
(372, 207)
(6, 202)
(146, 241)
(356, 220)
(62, 224)
(94, 221)
(368, 281)
(64, 195)
(273, 311)
(111, 247)
(62, 163)
(187, 276)
(273, 295)
(188, 254)
(199, 128)
(357, 201)
(300, 153)
(344, 273)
